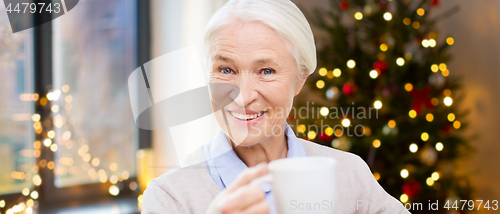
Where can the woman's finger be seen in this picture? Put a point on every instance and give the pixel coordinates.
(248, 175)
(258, 208)
(246, 196)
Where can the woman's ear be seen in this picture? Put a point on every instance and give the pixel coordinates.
(301, 81)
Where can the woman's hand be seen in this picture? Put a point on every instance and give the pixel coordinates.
(242, 196)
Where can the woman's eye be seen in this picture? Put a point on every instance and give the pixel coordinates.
(268, 71)
(226, 71)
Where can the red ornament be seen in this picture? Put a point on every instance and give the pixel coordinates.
(380, 66)
(344, 5)
(349, 88)
(411, 188)
(421, 98)
(324, 137)
(447, 129)
(435, 3)
(383, 4)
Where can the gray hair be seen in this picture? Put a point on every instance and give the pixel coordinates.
(281, 15)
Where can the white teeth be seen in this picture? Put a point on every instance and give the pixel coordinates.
(246, 116)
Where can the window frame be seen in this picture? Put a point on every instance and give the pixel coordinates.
(15, 198)
(50, 195)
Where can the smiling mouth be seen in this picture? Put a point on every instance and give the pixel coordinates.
(246, 117)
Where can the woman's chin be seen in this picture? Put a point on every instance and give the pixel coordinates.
(245, 137)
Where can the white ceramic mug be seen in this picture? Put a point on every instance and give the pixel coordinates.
(302, 185)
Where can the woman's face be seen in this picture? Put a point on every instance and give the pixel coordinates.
(253, 57)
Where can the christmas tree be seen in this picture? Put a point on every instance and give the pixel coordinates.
(383, 92)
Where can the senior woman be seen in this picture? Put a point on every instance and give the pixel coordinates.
(266, 48)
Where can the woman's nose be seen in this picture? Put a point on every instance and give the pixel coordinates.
(248, 92)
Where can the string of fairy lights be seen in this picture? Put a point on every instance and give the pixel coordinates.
(439, 72)
(44, 128)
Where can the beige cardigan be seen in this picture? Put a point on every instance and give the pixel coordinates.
(191, 189)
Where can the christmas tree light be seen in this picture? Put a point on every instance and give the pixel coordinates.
(389, 57)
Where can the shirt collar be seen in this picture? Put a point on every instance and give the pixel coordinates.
(229, 165)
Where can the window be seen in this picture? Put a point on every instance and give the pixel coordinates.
(17, 156)
(94, 52)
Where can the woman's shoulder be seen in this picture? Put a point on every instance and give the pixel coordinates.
(185, 188)
(346, 161)
(315, 149)
(192, 171)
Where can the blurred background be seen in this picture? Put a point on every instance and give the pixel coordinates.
(69, 144)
